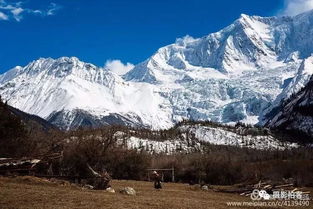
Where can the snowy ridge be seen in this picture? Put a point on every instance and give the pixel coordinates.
(300, 80)
(219, 136)
(157, 147)
(293, 85)
(296, 114)
(192, 138)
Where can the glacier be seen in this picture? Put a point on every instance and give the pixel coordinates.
(237, 74)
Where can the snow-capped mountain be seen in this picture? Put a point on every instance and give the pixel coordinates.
(70, 93)
(237, 74)
(231, 75)
(296, 114)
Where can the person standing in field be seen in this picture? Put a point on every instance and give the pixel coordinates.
(157, 180)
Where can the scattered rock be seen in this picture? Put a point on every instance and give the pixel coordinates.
(87, 186)
(110, 189)
(205, 188)
(128, 191)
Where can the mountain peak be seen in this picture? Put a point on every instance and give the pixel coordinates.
(185, 40)
(244, 16)
(61, 60)
(59, 67)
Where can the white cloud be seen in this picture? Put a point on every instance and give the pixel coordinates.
(16, 11)
(118, 67)
(295, 7)
(3, 16)
(53, 8)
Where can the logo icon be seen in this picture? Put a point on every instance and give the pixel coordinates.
(259, 195)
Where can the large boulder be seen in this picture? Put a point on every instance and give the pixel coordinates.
(128, 191)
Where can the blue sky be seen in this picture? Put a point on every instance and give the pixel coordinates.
(100, 30)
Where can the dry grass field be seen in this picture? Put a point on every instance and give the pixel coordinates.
(34, 193)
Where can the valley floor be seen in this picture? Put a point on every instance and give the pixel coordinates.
(34, 193)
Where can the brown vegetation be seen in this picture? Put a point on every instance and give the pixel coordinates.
(29, 192)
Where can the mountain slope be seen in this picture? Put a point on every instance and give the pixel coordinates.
(292, 86)
(237, 74)
(189, 136)
(20, 131)
(296, 114)
(32, 121)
